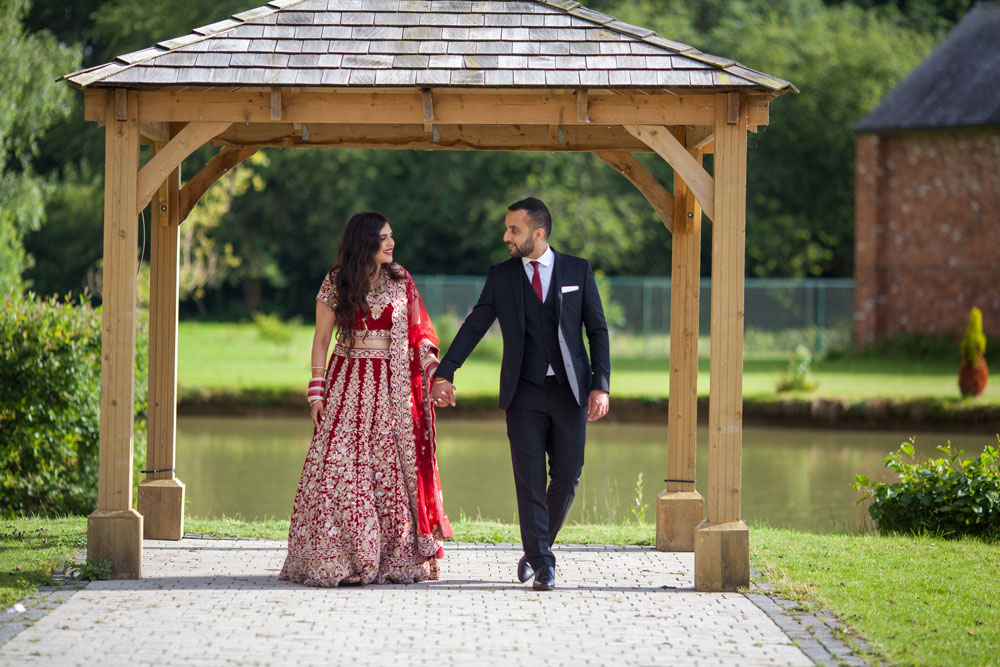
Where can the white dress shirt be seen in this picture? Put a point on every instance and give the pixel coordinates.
(545, 263)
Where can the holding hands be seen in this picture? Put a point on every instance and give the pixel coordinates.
(442, 393)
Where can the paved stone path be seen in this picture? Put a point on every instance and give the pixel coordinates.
(215, 602)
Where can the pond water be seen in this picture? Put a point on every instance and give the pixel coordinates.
(794, 478)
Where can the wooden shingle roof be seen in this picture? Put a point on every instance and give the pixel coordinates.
(955, 86)
(439, 43)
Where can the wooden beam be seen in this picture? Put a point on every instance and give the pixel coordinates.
(119, 288)
(657, 195)
(451, 137)
(161, 494)
(696, 137)
(733, 108)
(95, 105)
(666, 146)
(276, 104)
(722, 543)
(114, 529)
(680, 508)
(121, 104)
(506, 108)
(685, 288)
(582, 106)
(223, 161)
(427, 100)
(154, 132)
(726, 370)
(191, 138)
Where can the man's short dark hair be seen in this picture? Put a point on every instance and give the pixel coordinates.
(538, 213)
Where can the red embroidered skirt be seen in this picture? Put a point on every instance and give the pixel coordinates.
(353, 520)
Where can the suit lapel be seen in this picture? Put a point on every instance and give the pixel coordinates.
(557, 285)
(516, 275)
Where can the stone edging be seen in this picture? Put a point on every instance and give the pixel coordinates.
(36, 606)
(815, 631)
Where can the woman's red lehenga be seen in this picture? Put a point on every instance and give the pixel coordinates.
(368, 507)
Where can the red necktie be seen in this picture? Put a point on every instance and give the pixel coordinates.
(536, 281)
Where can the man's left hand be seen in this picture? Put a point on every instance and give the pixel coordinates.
(597, 405)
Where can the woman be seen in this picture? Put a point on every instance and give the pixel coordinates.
(368, 507)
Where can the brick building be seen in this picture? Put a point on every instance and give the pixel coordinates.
(927, 209)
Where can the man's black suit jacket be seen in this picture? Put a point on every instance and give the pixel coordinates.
(578, 306)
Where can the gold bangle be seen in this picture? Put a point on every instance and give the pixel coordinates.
(439, 380)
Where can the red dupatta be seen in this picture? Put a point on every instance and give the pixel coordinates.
(423, 351)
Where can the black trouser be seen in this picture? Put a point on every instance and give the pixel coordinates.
(545, 420)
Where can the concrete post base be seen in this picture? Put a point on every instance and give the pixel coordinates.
(721, 556)
(161, 503)
(116, 535)
(678, 513)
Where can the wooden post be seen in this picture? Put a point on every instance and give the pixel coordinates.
(722, 545)
(161, 494)
(679, 508)
(114, 529)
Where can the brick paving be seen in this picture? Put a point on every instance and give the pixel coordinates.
(207, 601)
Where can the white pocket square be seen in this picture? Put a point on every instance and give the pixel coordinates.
(569, 288)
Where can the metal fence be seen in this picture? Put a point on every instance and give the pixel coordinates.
(780, 312)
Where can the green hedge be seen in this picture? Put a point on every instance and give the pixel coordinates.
(50, 366)
(946, 496)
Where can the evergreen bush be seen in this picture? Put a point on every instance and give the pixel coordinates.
(50, 367)
(946, 496)
(973, 373)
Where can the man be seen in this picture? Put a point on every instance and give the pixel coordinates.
(543, 301)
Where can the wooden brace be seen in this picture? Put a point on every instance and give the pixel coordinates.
(216, 168)
(663, 142)
(153, 173)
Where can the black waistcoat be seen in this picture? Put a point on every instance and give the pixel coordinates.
(541, 341)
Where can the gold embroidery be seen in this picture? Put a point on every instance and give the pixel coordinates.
(355, 511)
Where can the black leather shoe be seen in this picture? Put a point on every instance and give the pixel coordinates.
(545, 578)
(524, 570)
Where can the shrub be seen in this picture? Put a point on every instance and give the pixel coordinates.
(905, 345)
(973, 373)
(799, 374)
(50, 364)
(974, 341)
(273, 329)
(946, 496)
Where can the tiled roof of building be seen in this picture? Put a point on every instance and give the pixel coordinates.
(427, 43)
(955, 86)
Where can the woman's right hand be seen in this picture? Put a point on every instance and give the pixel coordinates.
(317, 412)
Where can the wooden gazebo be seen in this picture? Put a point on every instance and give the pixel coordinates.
(548, 75)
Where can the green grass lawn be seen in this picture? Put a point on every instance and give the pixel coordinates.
(917, 600)
(235, 357)
(31, 549)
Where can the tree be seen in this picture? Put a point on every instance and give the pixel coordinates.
(31, 102)
(205, 260)
(800, 185)
(844, 58)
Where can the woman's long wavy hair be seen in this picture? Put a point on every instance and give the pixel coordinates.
(355, 267)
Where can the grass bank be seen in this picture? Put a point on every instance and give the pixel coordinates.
(917, 600)
(224, 368)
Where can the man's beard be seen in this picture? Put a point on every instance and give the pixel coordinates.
(524, 250)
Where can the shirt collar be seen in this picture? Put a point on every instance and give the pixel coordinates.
(545, 260)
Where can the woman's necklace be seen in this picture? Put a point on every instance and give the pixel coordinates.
(378, 295)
